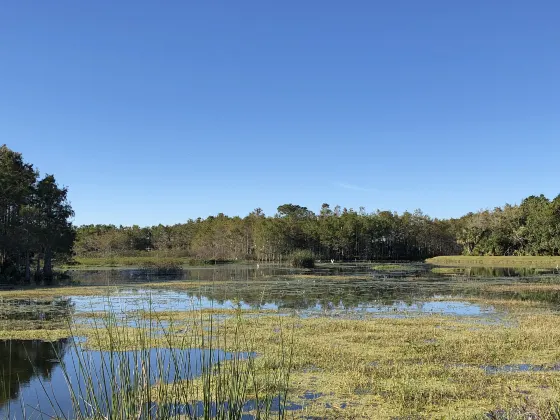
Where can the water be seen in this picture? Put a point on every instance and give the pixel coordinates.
(353, 291)
(35, 385)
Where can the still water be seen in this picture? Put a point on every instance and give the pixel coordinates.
(31, 371)
(38, 379)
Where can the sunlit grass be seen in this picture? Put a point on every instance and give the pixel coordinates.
(429, 366)
(392, 367)
(489, 261)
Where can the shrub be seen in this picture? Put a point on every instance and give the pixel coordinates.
(302, 259)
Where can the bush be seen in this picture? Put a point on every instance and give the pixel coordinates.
(302, 259)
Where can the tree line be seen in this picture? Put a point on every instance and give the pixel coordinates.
(35, 222)
(531, 228)
(36, 228)
(338, 233)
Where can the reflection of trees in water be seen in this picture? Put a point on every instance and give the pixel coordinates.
(24, 360)
(504, 271)
(218, 273)
(274, 285)
(36, 310)
(306, 294)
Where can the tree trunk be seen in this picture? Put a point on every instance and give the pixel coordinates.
(47, 266)
(27, 267)
(38, 269)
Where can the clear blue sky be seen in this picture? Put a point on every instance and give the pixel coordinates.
(163, 111)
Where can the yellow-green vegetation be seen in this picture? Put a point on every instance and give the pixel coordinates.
(431, 366)
(120, 261)
(49, 292)
(391, 267)
(488, 261)
(524, 287)
(153, 260)
(448, 270)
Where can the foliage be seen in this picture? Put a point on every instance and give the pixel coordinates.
(532, 229)
(302, 259)
(341, 234)
(34, 221)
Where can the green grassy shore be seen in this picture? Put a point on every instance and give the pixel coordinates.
(486, 261)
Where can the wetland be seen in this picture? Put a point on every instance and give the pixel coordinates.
(353, 340)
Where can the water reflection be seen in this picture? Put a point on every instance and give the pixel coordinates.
(34, 383)
(35, 309)
(222, 272)
(407, 288)
(25, 361)
(495, 272)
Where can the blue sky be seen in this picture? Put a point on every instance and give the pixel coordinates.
(162, 111)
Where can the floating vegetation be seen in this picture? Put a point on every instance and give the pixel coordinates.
(358, 347)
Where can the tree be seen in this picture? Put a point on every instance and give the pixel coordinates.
(55, 230)
(34, 218)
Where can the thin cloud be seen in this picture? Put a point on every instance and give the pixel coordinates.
(352, 187)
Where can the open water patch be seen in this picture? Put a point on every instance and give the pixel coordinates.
(38, 379)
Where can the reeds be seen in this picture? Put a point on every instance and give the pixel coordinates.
(134, 366)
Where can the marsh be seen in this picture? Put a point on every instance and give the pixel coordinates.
(367, 340)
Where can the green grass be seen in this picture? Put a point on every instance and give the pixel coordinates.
(143, 387)
(376, 368)
(392, 267)
(384, 368)
(380, 368)
(143, 261)
(488, 261)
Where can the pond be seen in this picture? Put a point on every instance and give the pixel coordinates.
(38, 373)
(401, 289)
(39, 379)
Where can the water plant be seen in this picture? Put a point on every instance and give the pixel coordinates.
(158, 369)
(302, 259)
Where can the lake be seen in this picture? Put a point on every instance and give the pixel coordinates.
(32, 370)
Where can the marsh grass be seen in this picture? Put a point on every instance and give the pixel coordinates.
(380, 368)
(490, 261)
(200, 368)
(393, 267)
(417, 367)
(302, 259)
(154, 260)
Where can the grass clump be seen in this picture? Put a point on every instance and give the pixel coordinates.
(200, 369)
(302, 259)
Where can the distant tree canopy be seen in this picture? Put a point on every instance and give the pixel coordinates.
(34, 220)
(531, 228)
(340, 234)
(35, 229)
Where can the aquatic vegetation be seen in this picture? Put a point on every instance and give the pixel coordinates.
(502, 261)
(204, 371)
(393, 267)
(431, 346)
(394, 367)
(145, 261)
(302, 259)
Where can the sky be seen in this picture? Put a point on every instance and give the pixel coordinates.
(157, 112)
